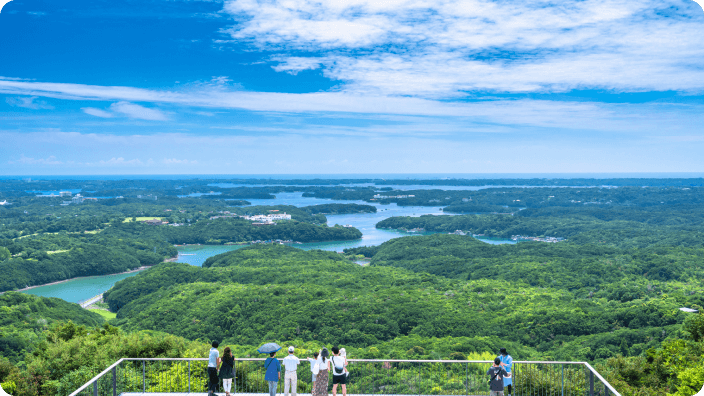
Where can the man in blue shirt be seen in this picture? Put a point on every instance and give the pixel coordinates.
(213, 363)
(273, 372)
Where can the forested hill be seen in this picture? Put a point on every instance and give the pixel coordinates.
(23, 318)
(274, 292)
(585, 270)
(45, 258)
(615, 229)
(220, 231)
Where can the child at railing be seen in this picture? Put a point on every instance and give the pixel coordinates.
(312, 361)
(343, 354)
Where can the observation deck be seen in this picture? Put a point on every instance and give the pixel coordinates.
(188, 376)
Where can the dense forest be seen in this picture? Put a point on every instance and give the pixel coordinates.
(24, 317)
(610, 293)
(625, 227)
(45, 258)
(43, 242)
(431, 287)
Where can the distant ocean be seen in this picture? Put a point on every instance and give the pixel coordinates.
(410, 176)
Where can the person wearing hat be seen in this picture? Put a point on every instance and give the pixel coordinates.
(497, 374)
(507, 364)
(290, 377)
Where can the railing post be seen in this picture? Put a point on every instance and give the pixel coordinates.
(466, 378)
(591, 383)
(144, 381)
(114, 381)
(189, 376)
(563, 379)
(95, 388)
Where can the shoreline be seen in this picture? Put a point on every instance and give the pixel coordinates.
(142, 268)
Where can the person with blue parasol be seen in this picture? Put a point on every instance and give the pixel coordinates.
(272, 366)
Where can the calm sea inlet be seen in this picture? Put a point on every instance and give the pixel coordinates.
(81, 289)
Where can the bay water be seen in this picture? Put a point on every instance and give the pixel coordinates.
(81, 289)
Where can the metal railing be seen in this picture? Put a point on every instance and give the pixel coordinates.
(135, 376)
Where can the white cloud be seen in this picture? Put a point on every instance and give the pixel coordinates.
(51, 160)
(442, 48)
(97, 112)
(28, 102)
(500, 113)
(174, 161)
(293, 65)
(136, 111)
(119, 161)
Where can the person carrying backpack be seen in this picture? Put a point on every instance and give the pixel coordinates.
(338, 372)
(507, 364)
(497, 374)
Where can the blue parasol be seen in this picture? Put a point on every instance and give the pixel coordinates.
(269, 348)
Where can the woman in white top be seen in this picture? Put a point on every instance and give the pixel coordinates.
(321, 381)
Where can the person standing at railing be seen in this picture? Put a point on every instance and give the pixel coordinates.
(507, 364)
(227, 370)
(343, 354)
(338, 374)
(213, 364)
(291, 363)
(497, 374)
(322, 366)
(273, 372)
(312, 367)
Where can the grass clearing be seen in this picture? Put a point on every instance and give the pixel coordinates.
(104, 313)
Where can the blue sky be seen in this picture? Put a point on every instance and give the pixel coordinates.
(358, 86)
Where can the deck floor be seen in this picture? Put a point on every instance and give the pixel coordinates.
(253, 394)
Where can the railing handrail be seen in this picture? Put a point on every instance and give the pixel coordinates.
(97, 377)
(587, 365)
(603, 381)
(378, 360)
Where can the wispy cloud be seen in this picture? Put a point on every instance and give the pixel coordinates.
(119, 161)
(97, 112)
(174, 161)
(504, 113)
(51, 160)
(139, 112)
(28, 102)
(444, 48)
(127, 109)
(294, 65)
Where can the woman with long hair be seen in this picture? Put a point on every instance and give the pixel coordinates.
(227, 370)
(321, 381)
